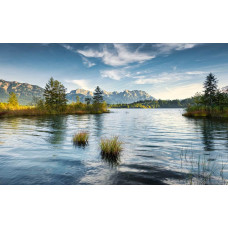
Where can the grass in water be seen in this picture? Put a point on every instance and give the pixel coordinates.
(203, 170)
(110, 150)
(81, 138)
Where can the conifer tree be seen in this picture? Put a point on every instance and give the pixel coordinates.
(13, 99)
(98, 96)
(88, 100)
(211, 88)
(55, 95)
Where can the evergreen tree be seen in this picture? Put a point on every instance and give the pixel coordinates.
(55, 95)
(211, 88)
(98, 96)
(88, 100)
(77, 99)
(13, 99)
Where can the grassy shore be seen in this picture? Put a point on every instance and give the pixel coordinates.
(197, 111)
(74, 108)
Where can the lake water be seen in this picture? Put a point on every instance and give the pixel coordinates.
(160, 147)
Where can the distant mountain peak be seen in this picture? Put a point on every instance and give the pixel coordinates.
(26, 92)
(225, 89)
(124, 97)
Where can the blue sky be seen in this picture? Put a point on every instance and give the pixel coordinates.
(166, 71)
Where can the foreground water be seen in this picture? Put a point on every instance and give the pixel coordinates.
(160, 147)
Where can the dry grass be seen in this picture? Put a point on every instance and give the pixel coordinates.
(81, 138)
(110, 150)
(8, 111)
(111, 146)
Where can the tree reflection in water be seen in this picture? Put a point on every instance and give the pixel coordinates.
(110, 159)
(212, 129)
(56, 128)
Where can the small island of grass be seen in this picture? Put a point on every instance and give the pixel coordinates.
(81, 138)
(211, 103)
(54, 103)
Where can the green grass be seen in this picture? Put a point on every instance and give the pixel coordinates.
(202, 111)
(110, 150)
(81, 138)
(7, 110)
(112, 146)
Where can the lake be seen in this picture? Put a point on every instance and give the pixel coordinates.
(160, 147)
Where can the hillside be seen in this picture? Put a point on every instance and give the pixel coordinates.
(27, 92)
(124, 97)
(24, 91)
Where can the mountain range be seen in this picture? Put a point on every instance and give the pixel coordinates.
(27, 92)
(225, 89)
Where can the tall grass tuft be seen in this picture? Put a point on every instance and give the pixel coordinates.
(81, 138)
(110, 150)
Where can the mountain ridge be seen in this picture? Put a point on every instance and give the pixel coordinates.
(26, 92)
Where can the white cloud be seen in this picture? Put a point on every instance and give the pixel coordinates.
(81, 84)
(114, 74)
(179, 92)
(196, 72)
(119, 55)
(167, 77)
(68, 47)
(168, 48)
(87, 63)
(160, 78)
(90, 53)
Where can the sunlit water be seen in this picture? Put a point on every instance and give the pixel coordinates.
(160, 147)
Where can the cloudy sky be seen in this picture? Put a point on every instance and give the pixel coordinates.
(165, 71)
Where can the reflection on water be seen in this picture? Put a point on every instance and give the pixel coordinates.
(112, 160)
(212, 130)
(160, 147)
(57, 128)
(98, 124)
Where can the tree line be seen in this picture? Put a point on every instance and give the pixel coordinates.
(157, 104)
(212, 97)
(212, 102)
(54, 100)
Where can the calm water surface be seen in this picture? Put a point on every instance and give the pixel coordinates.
(160, 147)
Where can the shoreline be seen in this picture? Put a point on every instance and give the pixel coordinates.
(204, 114)
(26, 113)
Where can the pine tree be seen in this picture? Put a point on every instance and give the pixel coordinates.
(88, 100)
(211, 88)
(55, 95)
(98, 96)
(13, 99)
(77, 99)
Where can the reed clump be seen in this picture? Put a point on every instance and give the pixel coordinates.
(81, 138)
(110, 150)
(112, 146)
